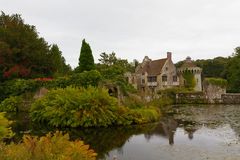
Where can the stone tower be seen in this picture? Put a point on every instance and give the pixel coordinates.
(189, 68)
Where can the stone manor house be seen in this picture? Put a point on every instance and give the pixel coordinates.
(153, 75)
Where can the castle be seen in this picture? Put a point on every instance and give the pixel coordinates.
(153, 75)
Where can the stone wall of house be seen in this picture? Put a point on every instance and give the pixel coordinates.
(169, 70)
(214, 92)
(231, 98)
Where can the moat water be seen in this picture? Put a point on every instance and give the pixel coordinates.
(184, 132)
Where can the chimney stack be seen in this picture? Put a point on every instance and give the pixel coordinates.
(169, 55)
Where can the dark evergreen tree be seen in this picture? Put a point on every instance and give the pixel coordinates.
(86, 61)
(23, 54)
(58, 61)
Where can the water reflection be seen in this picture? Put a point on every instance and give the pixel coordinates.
(195, 127)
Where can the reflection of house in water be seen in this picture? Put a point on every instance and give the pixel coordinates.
(170, 127)
(167, 128)
(190, 131)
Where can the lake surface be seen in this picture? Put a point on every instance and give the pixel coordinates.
(184, 132)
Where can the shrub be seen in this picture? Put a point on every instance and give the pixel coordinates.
(18, 87)
(133, 101)
(52, 146)
(60, 82)
(11, 104)
(216, 81)
(162, 101)
(86, 107)
(75, 107)
(5, 130)
(86, 78)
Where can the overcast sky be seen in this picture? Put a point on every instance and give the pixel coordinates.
(134, 28)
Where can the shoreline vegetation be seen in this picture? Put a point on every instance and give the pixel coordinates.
(91, 95)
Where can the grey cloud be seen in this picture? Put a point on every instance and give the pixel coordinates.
(134, 28)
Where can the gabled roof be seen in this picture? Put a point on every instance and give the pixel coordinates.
(152, 67)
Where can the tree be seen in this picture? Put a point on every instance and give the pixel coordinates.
(23, 54)
(86, 61)
(233, 71)
(213, 67)
(108, 59)
(112, 67)
(58, 61)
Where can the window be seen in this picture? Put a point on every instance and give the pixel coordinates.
(152, 78)
(164, 78)
(174, 78)
(143, 81)
(166, 69)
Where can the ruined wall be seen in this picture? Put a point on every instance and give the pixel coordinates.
(191, 98)
(231, 98)
(214, 93)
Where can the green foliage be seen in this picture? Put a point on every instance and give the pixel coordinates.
(75, 107)
(113, 70)
(126, 116)
(60, 82)
(233, 72)
(162, 101)
(190, 81)
(112, 67)
(11, 104)
(108, 59)
(55, 146)
(5, 130)
(85, 107)
(216, 81)
(58, 62)
(133, 102)
(86, 78)
(215, 67)
(17, 87)
(86, 61)
(23, 54)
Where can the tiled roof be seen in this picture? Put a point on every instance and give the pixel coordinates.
(152, 67)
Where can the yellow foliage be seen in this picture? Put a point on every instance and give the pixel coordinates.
(5, 130)
(50, 147)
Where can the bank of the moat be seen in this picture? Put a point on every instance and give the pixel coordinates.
(187, 132)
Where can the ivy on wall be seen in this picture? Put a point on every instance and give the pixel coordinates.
(216, 81)
(190, 81)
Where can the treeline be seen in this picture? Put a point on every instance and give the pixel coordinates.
(222, 67)
(23, 54)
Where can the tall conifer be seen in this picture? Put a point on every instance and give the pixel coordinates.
(86, 61)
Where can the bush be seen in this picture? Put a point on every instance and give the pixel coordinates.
(161, 102)
(128, 116)
(86, 78)
(5, 130)
(60, 82)
(52, 146)
(216, 81)
(85, 107)
(75, 107)
(133, 101)
(11, 104)
(18, 87)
